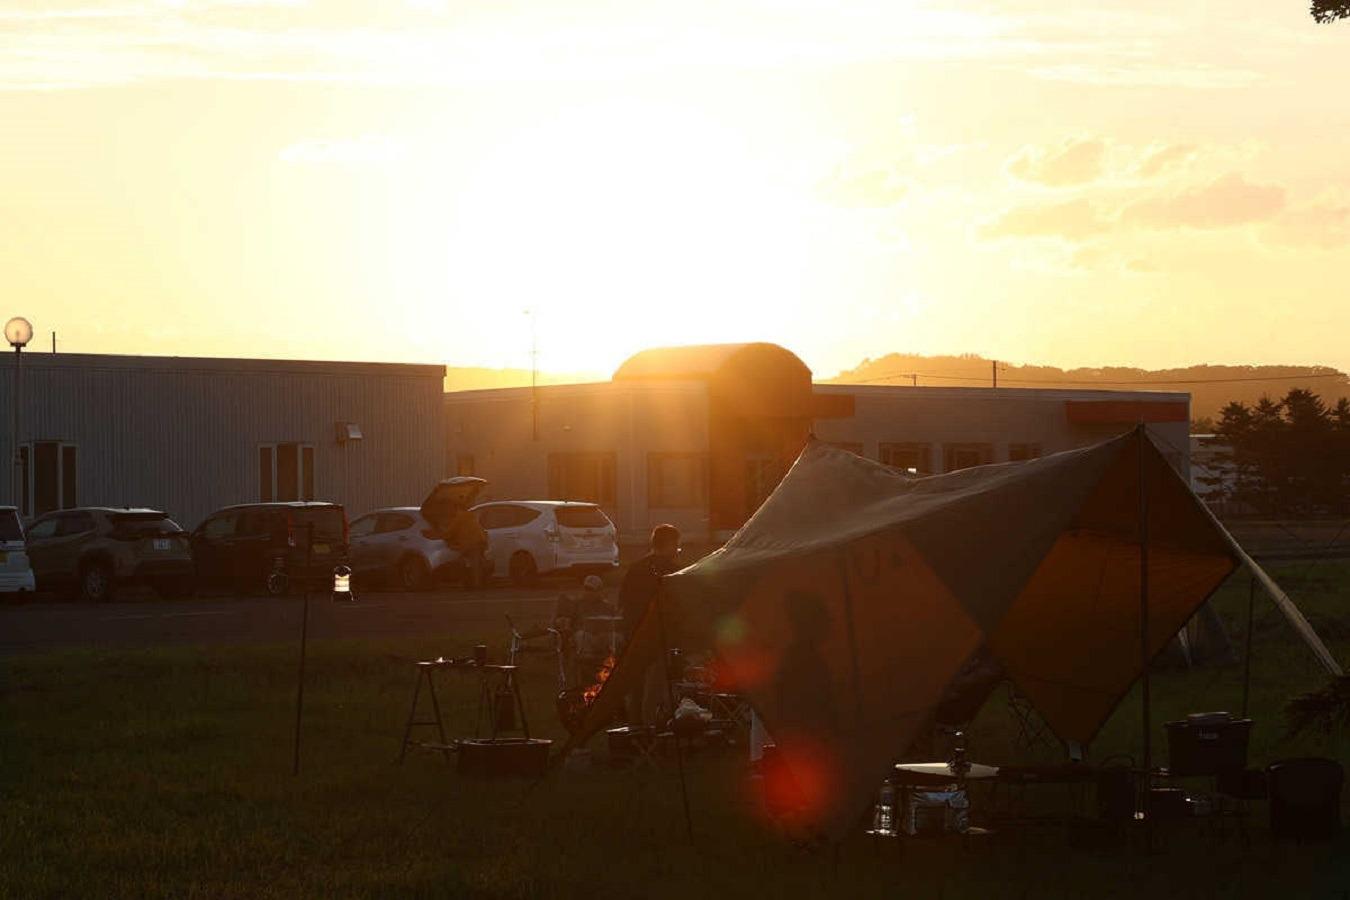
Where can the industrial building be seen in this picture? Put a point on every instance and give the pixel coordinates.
(189, 435)
(699, 436)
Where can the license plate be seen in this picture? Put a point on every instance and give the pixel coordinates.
(161, 543)
(320, 548)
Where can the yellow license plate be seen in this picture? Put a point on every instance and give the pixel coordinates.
(320, 548)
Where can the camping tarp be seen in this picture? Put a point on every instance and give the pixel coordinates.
(848, 602)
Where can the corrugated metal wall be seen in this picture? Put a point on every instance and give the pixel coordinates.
(182, 435)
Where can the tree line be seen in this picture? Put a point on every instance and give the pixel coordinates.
(1283, 457)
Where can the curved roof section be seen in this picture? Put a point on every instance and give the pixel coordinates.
(706, 361)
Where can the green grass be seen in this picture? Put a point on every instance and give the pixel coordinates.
(167, 773)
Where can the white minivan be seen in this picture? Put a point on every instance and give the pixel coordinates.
(529, 538)
(15, 572)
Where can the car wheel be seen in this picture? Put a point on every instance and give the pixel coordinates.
(524, 572)
(414, 574)
(277, 584)
(96, 583)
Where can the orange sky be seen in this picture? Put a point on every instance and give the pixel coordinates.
(1124, 182)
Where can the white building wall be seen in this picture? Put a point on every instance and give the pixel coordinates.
(996, 416)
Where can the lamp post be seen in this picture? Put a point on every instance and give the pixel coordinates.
(18, 331)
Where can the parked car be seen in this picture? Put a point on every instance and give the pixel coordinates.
(397, 545)
(529, 538)
(95, 550)
(16, 575)
(270, 547)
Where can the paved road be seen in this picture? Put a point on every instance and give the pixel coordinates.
(48, 625)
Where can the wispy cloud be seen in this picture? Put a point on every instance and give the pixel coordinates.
(1073, 162)
(1226, 202)
(1072, 220)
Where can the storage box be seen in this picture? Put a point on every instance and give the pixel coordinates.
(936, 811)
(1207, 744)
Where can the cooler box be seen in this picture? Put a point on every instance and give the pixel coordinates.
(1207, 744)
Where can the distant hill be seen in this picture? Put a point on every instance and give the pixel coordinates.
(475, 379)
(1210, 387)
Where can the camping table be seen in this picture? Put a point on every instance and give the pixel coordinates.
(937, 774)
(488, 675)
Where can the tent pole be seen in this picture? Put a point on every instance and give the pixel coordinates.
(670, 699)
(1144, 656)
(1247, 653)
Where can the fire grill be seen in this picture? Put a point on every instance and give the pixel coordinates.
(503, 756)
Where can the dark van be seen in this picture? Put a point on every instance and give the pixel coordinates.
(272, 547)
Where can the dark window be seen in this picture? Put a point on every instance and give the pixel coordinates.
(69, 476)
(46, 477)
(907, 455)
(307, 472)
(390, 522)
(582, 476)
(364, 526)
(964, 456)
(221, 526)
(75, 523)
(135, 525)
(676, 480)
(43, 528)
(10, 529)
(1023, 451)
(259, 523)
(265, 474)
(285, 472)
(581, 517)
(506, 516)
(328, 522)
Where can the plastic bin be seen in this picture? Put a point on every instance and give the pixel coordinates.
(1207, 744)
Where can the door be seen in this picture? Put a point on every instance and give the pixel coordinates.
(250, 549)
(209, 545)
(391, 540)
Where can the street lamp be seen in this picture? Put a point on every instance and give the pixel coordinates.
(18, 331)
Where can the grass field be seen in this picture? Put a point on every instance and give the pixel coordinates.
(167, 773)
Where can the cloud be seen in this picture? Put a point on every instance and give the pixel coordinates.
(875, 188)
(1073, 162)
(1227, 202)
(1164, 157)
(1073, 220)
(1323, 225)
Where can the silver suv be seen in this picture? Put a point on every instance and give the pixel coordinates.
(96, 549)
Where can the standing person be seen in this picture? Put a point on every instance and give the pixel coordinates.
(640, 585)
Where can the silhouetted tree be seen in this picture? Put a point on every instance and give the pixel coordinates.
(1286, 457)
(1330, 10)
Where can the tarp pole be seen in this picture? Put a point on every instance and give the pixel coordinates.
(1144, 655)
(670, 699)
(1247, 653)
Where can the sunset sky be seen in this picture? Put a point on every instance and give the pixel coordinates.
(1147, 182)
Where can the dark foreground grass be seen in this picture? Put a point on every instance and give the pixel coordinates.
(167, 773)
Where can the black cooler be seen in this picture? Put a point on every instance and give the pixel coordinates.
(1207, 744)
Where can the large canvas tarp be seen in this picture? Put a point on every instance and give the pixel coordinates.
(848, 602)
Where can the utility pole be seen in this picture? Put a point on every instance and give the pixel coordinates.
(913, 379)
(534, 377)
(993, 365)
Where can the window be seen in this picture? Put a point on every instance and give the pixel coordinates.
(285, 472)
(219, 526)
(581, 517)
(676, 480)
(506, 516)
(364, 526)
(963, 456)
(75, 523)
(582, 476)
(393, 522)
(49, 474)
(10, 529)
(464, 464)
(1023, 451)
(43, 528)
(908, 456)
(254, 523)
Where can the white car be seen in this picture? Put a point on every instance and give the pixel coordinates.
(529, 538)
(15, 572)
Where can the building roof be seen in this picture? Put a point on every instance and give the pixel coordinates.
(992, 393)
(220, 365)
(703, 361)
